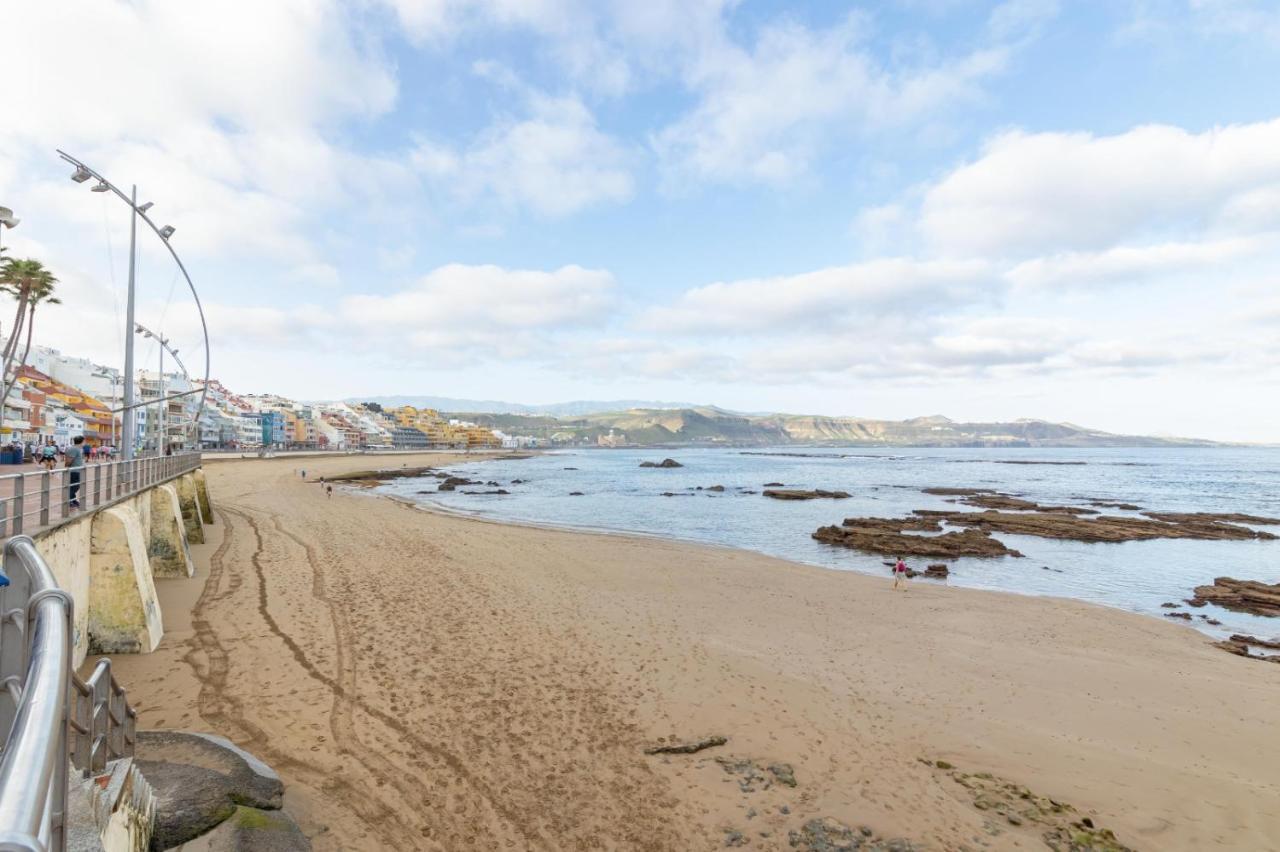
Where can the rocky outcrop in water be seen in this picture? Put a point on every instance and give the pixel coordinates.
(452, 483)
(889, 537)
(1048, 524)
(798, 494)
(1248, 596)
(663, 463)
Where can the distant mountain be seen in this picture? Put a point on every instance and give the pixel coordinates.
(710, 426)
(490, 406)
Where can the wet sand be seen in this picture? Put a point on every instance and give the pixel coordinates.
(427, 681)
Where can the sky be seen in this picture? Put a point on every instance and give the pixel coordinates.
(1060, 209)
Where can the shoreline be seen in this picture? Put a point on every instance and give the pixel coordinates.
(462, 685)
(440, 508)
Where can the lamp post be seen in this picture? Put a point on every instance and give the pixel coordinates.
(139, 211)
(163, 395)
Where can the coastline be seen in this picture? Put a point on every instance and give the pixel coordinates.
(515, 672)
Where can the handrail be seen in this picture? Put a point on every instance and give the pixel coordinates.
(50, 717)
(33, 766)
(37, 498)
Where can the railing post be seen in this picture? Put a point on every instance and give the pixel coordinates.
(18, 501)
(97, 486)
(44, 499)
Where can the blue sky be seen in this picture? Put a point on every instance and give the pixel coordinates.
(1024, 208)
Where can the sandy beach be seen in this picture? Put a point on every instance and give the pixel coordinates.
(427, 681)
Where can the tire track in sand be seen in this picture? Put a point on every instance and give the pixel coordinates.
(346, 700)
(225, 712)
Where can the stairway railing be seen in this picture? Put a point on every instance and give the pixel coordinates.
(50, 718)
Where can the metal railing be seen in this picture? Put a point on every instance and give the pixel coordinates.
(34, 499)
(51, 719)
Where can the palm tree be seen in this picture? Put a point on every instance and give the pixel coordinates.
(22, 279)
(41, 293)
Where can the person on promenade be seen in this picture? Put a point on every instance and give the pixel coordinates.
(48, 455)
(900, 574)
(75, 467)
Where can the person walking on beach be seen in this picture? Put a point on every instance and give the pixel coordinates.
(75, 467)
(328, 490)
(900, 574)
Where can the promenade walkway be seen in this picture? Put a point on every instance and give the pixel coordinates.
(33, 499)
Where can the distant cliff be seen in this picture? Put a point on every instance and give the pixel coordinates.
(714, 426)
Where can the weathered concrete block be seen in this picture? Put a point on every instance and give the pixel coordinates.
(124, 615)
(190, 504)
(167, 546)
(202, 495)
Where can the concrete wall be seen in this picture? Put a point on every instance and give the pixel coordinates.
(108, 559)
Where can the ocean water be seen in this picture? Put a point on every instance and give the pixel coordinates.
(619, 495)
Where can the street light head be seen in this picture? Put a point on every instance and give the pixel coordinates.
(101, 186)
(7, 218)
(167, 231)
(143, 208)
(81, 174)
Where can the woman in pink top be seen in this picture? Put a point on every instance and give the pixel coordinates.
(900, 574)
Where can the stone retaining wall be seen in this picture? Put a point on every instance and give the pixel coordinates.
(108, 559)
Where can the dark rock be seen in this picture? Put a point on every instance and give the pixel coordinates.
(570, 468)
(254, 783)
(498, 491)
(715, 488)
(956, 492)
(1186, 616)
(673, 494)
(773, 485)
(519, 481)
(937, 571)
(453, 482)
(1248, 596)
(784, 773)
(256, 830)
(1170, 605)
(689, 747)
(492, 484)
(734, 838)
(663, 463)
(190, 800)
(575, 494)
(805, 495)
(1212, 518)
(1127, 507)
(1273, 644)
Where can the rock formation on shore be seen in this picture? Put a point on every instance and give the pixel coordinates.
(1248, 596)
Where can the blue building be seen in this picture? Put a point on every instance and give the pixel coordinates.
(273, 432)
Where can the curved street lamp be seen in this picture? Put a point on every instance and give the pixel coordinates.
(82, 174)
(163, 397)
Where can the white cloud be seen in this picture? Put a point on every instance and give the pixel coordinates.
(1128, 264)
(765, 113)
(1052, 192)
(863, 293)
(554, 161)
(467, 299)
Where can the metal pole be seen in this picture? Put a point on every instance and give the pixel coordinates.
(162, 438)
(127, 430)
